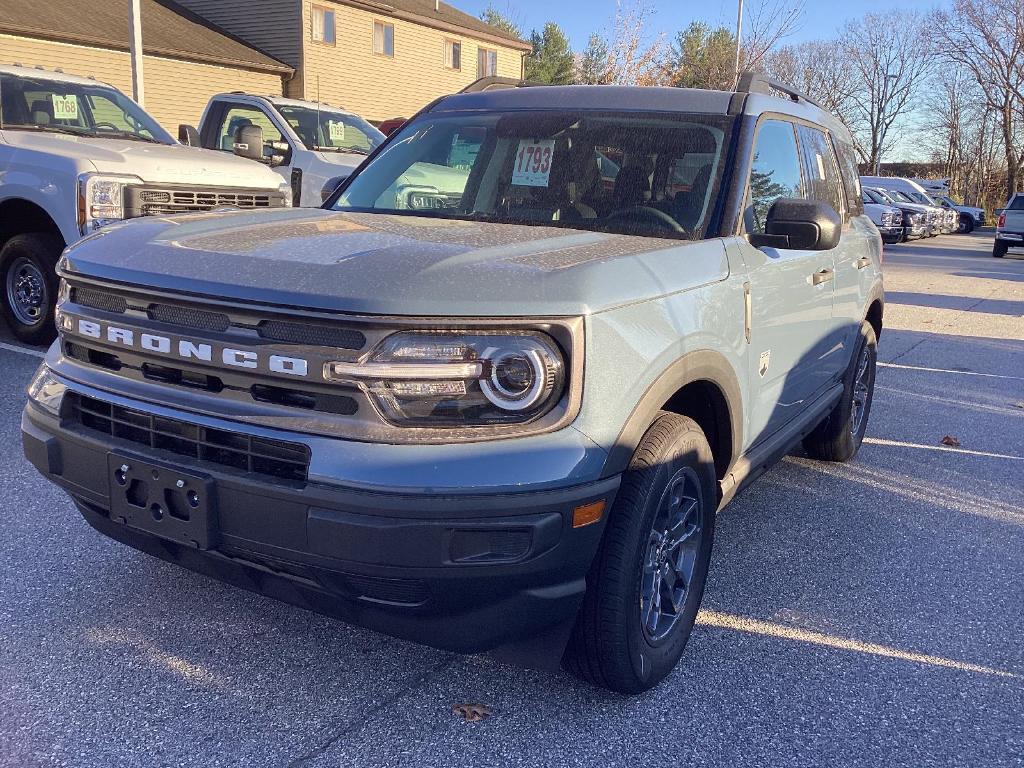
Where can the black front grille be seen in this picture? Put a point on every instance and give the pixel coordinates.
(314, 335)
(190, 317)
(245, 453)
(108, 302)
(160, 201)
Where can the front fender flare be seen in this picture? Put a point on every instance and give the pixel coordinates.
(699, 365)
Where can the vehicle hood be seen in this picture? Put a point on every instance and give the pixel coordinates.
(392, 264)
(345, 161)
(157, 163)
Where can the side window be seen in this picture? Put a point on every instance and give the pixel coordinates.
(774, 172)
(823, 181)
(851, 178)
(237, 117)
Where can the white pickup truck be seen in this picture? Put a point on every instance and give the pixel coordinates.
(77, 155)
(1010, 227)
(311, 145)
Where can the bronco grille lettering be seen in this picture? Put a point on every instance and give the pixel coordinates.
(188, 349)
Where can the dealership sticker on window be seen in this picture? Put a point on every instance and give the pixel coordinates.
(821, 166)
(64, 107)
(337, 131)
(533, 162)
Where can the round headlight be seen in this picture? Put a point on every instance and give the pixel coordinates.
(517, 380)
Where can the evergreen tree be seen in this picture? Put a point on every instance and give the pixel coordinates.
(497, 19)
(592, 67)
(551, 60)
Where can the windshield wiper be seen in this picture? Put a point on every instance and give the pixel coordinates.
(352, 150)
(125, 135)
(45, 129)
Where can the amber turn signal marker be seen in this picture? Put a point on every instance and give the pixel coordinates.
(587, 514)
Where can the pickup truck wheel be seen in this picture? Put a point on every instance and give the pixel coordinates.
(839, 436)
(647, 581)
(999, 249)
(29, 279)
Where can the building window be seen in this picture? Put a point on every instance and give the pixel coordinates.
(486, 62)
(453, 54)
(383, 38)
(323, 25)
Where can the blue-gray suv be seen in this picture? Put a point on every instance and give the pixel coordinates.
(492, 395)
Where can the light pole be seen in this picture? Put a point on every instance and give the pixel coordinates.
(135, 47)
(739, 37)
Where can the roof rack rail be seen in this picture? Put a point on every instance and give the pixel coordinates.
(494, 83)
(758, 82)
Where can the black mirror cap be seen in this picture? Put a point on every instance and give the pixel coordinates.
(249, 142)
(804, 225)
(188, 135)
(331, 187)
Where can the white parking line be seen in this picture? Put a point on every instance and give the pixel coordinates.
(946, 370)
(22, 350)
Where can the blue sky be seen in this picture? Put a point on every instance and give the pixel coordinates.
(580, 18)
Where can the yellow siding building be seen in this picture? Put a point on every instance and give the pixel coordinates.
(187, 59)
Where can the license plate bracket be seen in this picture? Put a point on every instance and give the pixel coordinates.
(162, 500)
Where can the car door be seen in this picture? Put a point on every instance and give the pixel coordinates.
(230, 116)
(790, 291)
(850, 257)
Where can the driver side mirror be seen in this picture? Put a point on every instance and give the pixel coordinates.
(248, 142)
(188, 135)
(800, 225)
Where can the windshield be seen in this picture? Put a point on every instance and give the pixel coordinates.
(895, 194)
(618, 172)
(331, 131)
(42, 104)
(874, 196)
(922, 198)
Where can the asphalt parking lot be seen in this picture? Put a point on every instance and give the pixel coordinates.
(861, 614)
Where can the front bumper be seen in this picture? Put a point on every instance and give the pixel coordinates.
(915, 231)
(891, 234)
(467, 573)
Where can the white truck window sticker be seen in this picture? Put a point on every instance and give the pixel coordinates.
(821, 166)
(337, 131)
(64, 107)
(533, 162)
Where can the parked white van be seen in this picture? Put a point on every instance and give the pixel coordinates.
(77, 155)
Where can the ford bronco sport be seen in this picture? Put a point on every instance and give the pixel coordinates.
(498, 421)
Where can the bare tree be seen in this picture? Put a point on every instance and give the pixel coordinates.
(987, 39)
(768, 23)
(629, 56)
(889, 63)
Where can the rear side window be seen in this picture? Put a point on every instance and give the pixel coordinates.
(823, 181)
(774, 172)
(851, 177)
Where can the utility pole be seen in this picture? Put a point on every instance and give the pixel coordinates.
(135, 46)
(739, 40)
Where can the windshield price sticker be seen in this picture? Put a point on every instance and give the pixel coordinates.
(337, 131)
(533, 162)
(64, 107)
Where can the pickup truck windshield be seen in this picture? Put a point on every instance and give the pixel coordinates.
(97, 111)
(331, 131)
(620, 172)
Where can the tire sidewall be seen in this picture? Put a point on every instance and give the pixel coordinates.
(43, 251)
(655, 660)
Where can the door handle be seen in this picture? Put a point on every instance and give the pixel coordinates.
(863, 261)
(822, 277)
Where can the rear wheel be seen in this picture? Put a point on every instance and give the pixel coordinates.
(999, 249)
(839, 436)
(29, 279)
(646, 584)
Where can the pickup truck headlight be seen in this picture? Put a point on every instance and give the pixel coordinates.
(459, 379)
(101, 200)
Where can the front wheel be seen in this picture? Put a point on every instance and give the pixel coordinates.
(646, 584)
(27, 274)
(839, 436)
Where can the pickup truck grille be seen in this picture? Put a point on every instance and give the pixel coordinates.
(166, 200)
(277, 459)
